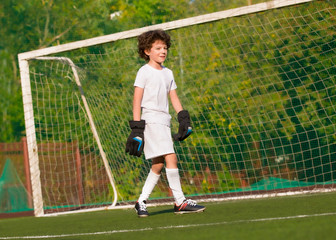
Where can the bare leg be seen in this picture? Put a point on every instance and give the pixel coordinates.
(157, 165)
(171, 161)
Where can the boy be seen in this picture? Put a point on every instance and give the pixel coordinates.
(151, 121)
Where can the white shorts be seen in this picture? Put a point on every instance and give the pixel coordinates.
(158, 140)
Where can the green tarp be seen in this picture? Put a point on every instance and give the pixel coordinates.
(13, 194)
(273, 183)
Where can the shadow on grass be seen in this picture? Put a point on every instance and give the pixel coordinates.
(153, 213)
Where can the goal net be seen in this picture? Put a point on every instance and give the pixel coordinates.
(259, 83)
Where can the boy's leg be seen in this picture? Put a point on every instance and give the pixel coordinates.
(182, 205)
(173, 177)
(152, 179)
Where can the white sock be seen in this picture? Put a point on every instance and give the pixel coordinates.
(150, 183)
(175, 184)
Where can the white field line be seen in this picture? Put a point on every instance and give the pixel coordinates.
(172, 227)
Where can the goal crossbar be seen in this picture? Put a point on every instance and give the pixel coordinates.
(165, 26)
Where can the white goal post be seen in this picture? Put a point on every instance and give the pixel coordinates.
(74, 126)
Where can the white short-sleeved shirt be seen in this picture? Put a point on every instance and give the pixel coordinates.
(156, 84)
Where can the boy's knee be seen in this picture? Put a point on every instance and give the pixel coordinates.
(171, 160)
(157, 170)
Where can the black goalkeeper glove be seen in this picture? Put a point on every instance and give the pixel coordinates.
(135, 142)
(185, 127)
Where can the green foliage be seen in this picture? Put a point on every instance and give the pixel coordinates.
(30, 25)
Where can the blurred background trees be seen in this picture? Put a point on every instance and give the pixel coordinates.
(34, 24)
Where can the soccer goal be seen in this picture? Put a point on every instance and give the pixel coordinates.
(260, 85)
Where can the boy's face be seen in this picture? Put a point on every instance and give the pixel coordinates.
(158, 53)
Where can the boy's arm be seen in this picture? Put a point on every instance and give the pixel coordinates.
(175, 101)
(138, 93)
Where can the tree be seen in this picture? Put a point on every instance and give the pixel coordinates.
(29, 25)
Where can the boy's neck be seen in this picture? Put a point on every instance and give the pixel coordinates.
(155, 65)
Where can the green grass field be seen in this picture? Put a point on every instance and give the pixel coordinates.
(310, 216)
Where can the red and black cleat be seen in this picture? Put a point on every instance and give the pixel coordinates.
(188, 206)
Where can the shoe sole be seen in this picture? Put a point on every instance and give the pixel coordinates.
(197, 211)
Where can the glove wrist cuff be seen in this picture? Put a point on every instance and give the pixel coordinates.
(137, 124)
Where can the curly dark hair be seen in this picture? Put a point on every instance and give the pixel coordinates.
(146, 40)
